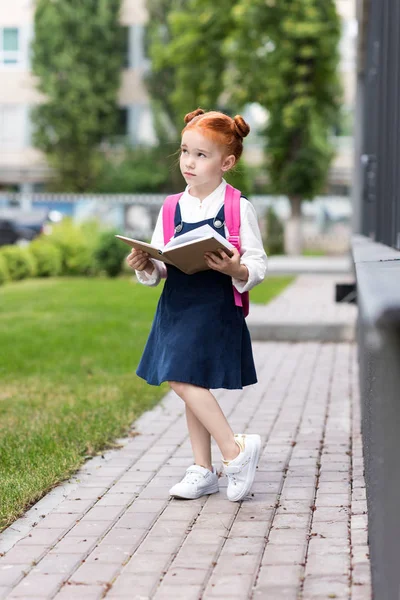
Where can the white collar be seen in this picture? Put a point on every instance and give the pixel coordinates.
(219, 190)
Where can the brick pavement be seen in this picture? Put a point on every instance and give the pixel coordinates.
(300, 534)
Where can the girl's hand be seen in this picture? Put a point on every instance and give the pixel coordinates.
(139, 261)
(228, 266)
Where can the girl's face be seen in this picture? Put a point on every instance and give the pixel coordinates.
(202, 161)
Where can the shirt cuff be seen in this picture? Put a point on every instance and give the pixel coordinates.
(255, 277)
(152, 279)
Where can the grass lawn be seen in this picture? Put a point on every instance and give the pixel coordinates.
(68, 352)
(268, 289)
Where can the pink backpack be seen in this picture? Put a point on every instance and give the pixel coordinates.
(232, 219)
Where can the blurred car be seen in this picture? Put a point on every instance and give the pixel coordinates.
(20, 227)
(12, 233)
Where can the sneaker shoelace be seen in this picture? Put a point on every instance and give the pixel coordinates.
(191, 477)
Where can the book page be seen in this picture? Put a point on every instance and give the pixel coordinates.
(200, 233)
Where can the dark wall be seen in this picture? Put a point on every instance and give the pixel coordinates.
(377, 269)
(380, 201)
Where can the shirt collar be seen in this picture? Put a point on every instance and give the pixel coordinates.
(214, 194)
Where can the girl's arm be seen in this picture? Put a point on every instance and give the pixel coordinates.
(160, 270)
(252, 249)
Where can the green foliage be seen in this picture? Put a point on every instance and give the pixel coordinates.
(76, 248)
(240, 178)
(286, 55)
(139, 170)
(47, 256)
(4, 274)
(78, 59)
(186, 45)
(274, 235)
(19, 262)
(110, 253)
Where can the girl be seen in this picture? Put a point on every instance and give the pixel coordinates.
(199, 339)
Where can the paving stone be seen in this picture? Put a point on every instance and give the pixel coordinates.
(145, 563)
(249, 529)
(80, 592)
(332, 500)
(152, 544)
(118, 499)
(315, 587)
(275, 592)
(328, 564)
(23, 555)
(58, 563)
(331, 513)
(109, 553)
(75, 545)
(237, 564)
(231, 586)
(95, 573)
(360, 554)
(361, 573)
(41, 537)
(274, 575)
(331, 529)
(183, 592)
(58, 520)
(133, 586)
(298, 521)
(102, 513)
(243, 545)
(11, 574)
(287, 537)
(46, 585)
(4, 591)
(275, 554)
(89, 528)
(189, 576)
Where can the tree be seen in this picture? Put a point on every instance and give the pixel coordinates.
(186, 45)
(286, 56)
(77, 58)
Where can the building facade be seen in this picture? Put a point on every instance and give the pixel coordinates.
(21, 164)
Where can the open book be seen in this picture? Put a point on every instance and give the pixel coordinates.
(186, 252)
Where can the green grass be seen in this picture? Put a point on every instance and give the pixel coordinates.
(68, 353)
(268, 289)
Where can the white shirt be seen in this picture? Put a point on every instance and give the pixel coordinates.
(192, 211)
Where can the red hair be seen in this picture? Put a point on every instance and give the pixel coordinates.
(221, 128)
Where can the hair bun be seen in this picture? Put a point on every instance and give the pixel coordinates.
(241, 127)
(193, 114)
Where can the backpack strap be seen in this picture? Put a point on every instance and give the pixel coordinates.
(232, 220)
(168, 215)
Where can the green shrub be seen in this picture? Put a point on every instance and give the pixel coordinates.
(76, 249)
(4, 274)
(20, 263)
(110, 253)
(48, 257)
(275, 243)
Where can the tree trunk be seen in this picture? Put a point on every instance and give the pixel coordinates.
(293, 229)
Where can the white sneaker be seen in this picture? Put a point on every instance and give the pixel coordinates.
(197, 482)
(242, 469)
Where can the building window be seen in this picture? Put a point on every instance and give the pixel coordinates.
(10, 52)
(13, 126)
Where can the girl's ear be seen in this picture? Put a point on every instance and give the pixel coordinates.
(228, 162)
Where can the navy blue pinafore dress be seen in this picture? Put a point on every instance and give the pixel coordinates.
(198, 335)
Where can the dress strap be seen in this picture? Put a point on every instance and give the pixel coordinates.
(219, 219)
(178, 224)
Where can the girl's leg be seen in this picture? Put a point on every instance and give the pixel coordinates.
(200, 440)
(207, 410)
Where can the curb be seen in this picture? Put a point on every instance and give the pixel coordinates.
(302, 332)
